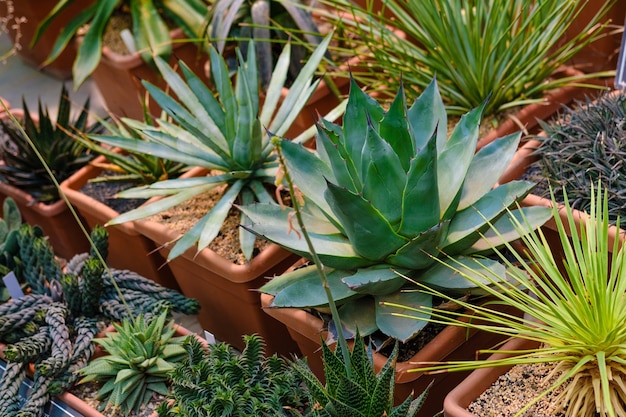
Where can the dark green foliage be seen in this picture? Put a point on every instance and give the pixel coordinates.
(92, 286)
(585, 145)
(53, 141)
(100, 239)
(363, 392)
(222, 382)
(36, 258)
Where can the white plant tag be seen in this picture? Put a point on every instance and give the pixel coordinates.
(10, 281)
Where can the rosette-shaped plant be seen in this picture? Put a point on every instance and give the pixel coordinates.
(385, 195)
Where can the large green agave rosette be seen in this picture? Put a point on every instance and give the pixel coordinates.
(389, 195)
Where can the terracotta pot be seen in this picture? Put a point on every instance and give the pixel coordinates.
(118, 77)
(600, 55)
(227, 292)
(453, 343)
(457, 401)
(56, 220)
(33, 12)
(128, 249)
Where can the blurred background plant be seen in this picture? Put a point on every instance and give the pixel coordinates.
(151, 24)
(270, 23)
(505, 50)
(9, 21)
(586, 144)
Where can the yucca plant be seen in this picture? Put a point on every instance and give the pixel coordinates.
(501, 49)
(222, 382)
(150, 28)
(576, 314)
(53, 140)
(227, 134)
(584, 145)
(387, 194)
(268, 22)
(141, 353)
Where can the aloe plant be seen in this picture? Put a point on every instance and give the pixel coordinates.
(52, 140)
(228, 135)
(150, 30)
(385, 195)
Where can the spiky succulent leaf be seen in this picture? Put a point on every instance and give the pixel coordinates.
(389, 191)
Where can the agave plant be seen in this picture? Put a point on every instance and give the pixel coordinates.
(576, 313)
(141, 353)
(52, 140)
(387, 194)
(220, 381)
(150, 30)
(226, 134)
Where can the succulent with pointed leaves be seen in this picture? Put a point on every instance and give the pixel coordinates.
(140, 355)
(386, 194)
(375, 391)
(220, 381)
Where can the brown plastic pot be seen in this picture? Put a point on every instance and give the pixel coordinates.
(227, 292)
(56, 219)
(118, 77)
(457, 401)
(528, 117)
(453, 343)
(33, 12)
(128, 249)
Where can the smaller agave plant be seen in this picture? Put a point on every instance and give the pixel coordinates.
(385, 195)
(141, 353)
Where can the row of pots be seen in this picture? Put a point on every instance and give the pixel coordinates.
(230, 303)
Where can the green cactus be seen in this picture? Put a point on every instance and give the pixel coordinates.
(37, 260)
(30, 349)
(100, 239)
(9, 225)
(92, 286)
(386, 194)
(220, 381)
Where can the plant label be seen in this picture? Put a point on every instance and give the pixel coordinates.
(10, 281)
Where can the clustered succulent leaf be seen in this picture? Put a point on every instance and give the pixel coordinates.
(585, 145)
(141, 353)
(54, 324)
(54, 140)
(225, 134)
(386, 194)
(360, 392)
(221, 382)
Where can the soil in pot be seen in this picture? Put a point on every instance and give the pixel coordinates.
(184, 216)
(105, 191)
(515, 389)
